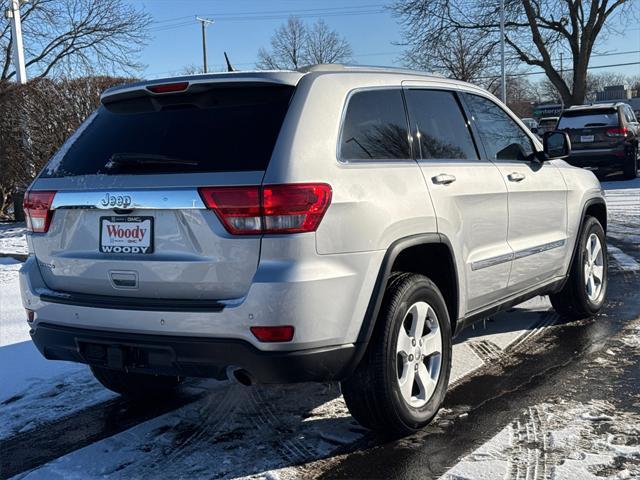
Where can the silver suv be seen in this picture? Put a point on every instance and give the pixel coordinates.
(337, 223)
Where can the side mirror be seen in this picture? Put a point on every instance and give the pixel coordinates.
(556, 144)
(534, 130)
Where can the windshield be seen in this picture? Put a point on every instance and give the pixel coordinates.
(215, 130)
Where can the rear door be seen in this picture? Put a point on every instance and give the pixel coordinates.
(468, 193)
(128, 217)
(537, 195)
(591, 129)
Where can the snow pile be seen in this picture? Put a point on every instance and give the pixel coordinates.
(631, 337)
(13, 238)
(567, 440)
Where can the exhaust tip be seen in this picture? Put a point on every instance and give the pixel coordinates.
(240, 375)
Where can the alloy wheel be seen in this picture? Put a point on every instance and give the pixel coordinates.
(419, 354)
(593, 267)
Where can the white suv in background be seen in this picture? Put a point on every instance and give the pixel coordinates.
(336, 223)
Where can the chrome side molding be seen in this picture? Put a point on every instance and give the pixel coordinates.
(507, 257)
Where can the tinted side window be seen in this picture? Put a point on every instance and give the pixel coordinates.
(375, 127)
(441, 129)
(630, 115)
(502, 137)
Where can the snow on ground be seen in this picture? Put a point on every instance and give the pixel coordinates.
(13, 238)
(34, 390)
(561, 440)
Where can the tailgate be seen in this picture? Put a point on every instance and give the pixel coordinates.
(168, 246)
(127, 216)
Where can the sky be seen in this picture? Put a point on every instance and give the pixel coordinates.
(243, 26)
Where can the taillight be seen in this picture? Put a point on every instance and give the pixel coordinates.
(616, 132)
(37, 210)
(281, 333)
(293, 208)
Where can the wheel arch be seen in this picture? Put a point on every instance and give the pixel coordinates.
(593, 207)
(429, 254)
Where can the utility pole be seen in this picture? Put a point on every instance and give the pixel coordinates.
(13, 14)
(561, 76)
(203, 23)
(503, 72)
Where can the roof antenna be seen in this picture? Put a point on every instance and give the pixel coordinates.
(229, 66)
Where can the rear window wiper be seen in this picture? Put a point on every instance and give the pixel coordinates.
(137, 159)
(596, 124)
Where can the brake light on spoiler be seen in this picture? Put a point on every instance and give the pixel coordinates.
(37, 210)
(254, 210)
(169, 87)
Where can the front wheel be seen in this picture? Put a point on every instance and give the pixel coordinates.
(585, 290)
(401, 382)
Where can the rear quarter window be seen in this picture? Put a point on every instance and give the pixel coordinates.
(375, 127)
(216, 129)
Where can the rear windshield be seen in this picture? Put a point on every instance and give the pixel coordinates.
(591, 118)
(216, 130)
(546, 123)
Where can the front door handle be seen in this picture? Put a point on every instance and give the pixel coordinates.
(516, 177)
(443, 179)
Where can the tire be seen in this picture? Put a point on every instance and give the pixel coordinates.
(631, 169)
(374, 393)
(135, 385)
(575, 301)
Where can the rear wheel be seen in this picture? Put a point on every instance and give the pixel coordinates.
(401, 382)
(135, 385)
(584, 293)
(631, 169)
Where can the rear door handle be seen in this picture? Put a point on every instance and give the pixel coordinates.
(443, 179)
(516, 177)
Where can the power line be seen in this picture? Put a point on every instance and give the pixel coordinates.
(179, 22)
(542, 72)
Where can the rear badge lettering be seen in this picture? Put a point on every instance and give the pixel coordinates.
(121, 201)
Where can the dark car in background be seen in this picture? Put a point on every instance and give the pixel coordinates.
(603, 136)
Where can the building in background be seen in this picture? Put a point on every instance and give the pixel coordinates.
(610, 94)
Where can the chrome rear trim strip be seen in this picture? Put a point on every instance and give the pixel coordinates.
(148, 199)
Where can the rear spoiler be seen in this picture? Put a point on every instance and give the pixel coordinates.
(187, 83)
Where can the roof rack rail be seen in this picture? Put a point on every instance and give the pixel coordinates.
(337, 67)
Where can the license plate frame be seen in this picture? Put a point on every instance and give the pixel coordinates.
(123, 248)
(587, 138)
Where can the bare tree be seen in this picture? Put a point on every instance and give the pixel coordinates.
(43, 114)
(76, 37)
(465, 56)
(536, 30)
(294, 45)
(323, 45)
(287, 47)
(597, 81)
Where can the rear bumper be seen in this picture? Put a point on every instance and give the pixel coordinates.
(598, 158)
(190, 356)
